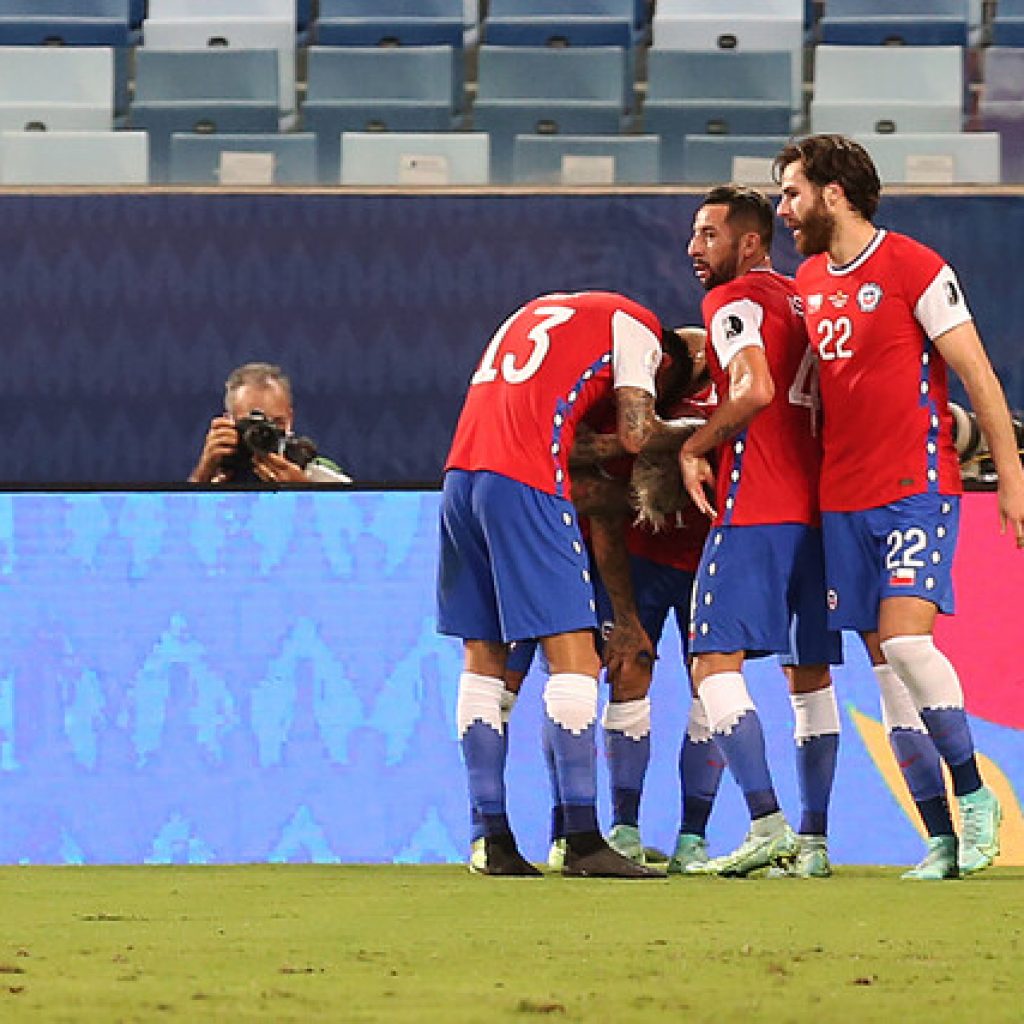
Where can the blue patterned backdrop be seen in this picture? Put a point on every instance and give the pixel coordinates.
(220, 677)
(123, 313)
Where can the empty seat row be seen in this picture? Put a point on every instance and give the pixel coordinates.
(464, 158)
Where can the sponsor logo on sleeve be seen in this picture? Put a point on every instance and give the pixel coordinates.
(733, 326)
(952, 293)
(869, 295)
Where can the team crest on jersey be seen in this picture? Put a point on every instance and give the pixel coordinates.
(814, 302)
(733, 326)
(839, 299)
(869, 296)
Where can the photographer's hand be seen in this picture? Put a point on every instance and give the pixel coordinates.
(221, 441)
(276, 469)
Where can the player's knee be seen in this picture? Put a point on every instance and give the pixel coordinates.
(630, 682)
(924, 670)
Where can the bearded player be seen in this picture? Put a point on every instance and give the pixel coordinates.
(760, 586)
(886, 316)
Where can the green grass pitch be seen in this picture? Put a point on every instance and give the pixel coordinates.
(433, 943)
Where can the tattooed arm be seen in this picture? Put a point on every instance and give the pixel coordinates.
(751, 389)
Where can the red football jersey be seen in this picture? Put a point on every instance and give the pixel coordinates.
(887, 430)
(546, 366)
(769, 472)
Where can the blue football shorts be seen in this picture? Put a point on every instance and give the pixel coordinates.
(761, 589)
(658, 591)
(512, 563)
(900, 550)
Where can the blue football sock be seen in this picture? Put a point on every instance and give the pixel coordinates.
(627, 744)
(951, 734)
(738, 733)
(921, 766)
(701, 763)
(816, 734)
(816, 770)
(570, 704)
(482, 738)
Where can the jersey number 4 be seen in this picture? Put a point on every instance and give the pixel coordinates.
(539, 334)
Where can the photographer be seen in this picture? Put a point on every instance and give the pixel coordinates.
(252, 442)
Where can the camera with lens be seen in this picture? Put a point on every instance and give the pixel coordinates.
(258, 434)
(976, 463)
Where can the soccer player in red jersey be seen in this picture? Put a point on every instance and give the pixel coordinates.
(513, 565)
(760, 586)
(886, 315)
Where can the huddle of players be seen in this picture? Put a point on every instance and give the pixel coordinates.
(876, 500)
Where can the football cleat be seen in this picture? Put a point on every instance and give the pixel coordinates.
(778, 845)
(625, 840)
(980, 815)
(556, 854)
(690, 849)
(478, 856)
(939, 862)
(587, 855)
(811, 860)
(501, 857)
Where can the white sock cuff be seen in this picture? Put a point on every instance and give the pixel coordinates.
(479, 700)
(726, 700)
(570, 700)
(925, 670)
(507, 701)
(814, 714)
(630, 717)
(698, 729)
(898, 708)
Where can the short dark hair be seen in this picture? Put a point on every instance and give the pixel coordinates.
(749, 209)
(835, 158)
(259, 375)
(680, 375)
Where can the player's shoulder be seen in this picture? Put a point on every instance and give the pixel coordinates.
(811, 268)
(901, 247)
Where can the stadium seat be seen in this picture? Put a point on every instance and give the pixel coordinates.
(1001, 107)
(735, 25)
(66, 23)
(585, 160)
(406, 89)
(1008, 23)
(390, 23)
(935, 158)
(523, 90)
(561, 23)
(888, 89)
(717, 92)
(197, 159)
(203, 91)
(415, 158)
(74, 158)
(56, 88)
(909, 23)
(745, 159)
(232, 33)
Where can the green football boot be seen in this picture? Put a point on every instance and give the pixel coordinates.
(939, 862)
(625, 840)
(811, 860)
(980, 815)
(691, 849)
(769, 841)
